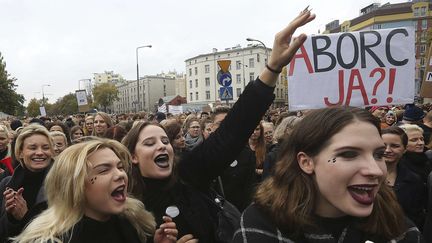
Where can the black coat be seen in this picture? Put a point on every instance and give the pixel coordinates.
(417, 163)
(411, 194)
(9, 226)
(198, 168)
(270, 160)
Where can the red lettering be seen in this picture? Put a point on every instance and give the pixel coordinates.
(360, 86)
(303, 54)
(341, 91)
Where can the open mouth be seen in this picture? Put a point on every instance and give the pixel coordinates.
(38, 160)
(162, 161)
(363, 194)
(119, 194)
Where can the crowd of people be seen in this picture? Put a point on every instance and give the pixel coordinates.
(250, 173)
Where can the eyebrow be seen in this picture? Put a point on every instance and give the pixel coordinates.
(355, 148)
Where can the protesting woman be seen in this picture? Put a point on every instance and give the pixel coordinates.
(22, 193)
(158, 186)
(328, 186)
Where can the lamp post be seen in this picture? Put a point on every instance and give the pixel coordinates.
(244, 78)
(262, 43)
(138, 107)
(43, 94)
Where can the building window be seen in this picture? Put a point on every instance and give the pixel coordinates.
(190, 84)
(423, 11)
(207, 68)
(190, 96)
(416, 12)
(196, 83)
(207, 82)
(415, 25)
(251, 77)
(422, 49)
(190, 71)
(196, 95)
(207, 95)
(196, 70)
(238, 91)
(277, 92)
(251, 63)
(238, 78)
(422, 61)
(258, 57)
(424, 24)
(238, 65)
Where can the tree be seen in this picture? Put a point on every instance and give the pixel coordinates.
(10, 101)
(105, 94)
(33, 107)
(66, 105)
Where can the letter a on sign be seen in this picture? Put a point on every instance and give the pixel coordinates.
(224, 65)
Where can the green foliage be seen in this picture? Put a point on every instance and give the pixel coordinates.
(105, 94)
(10, 101)
(33, 107)
(65, 105)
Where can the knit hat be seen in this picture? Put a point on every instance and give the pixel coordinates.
(413, 113)
(160, 116)
(15, 124)
(374, 108)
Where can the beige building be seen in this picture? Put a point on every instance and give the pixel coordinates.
(107, 76)
(152, 88)
(247, 63)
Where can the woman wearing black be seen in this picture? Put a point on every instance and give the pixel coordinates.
(22, 194)
(158, 186)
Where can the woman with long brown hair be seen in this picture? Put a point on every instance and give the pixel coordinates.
(328, 186)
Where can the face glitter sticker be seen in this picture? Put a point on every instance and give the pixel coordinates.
(333, 160)
(93, 180)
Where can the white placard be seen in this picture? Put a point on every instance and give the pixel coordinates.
(81, 97)
(429, 76)
(42, 110)
(365, 68)
(175, 110)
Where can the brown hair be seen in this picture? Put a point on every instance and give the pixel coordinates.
(260, 148)
(289, 197)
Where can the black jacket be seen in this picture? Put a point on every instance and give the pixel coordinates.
(197, 169)
(270, 160)
(411, 194)
(8, 225)
(417, 163)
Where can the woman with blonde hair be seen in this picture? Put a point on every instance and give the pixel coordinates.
(22, 193)
(328, 186)
(5, 153)
(60, 142)
(88, 201)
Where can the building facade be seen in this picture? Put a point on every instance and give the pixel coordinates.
(152, 88)
(107, 76)
(202, 87)
(416, 14)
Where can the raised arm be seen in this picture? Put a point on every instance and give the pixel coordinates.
(209, 160)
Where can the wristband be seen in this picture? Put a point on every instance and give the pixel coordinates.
(273, 70)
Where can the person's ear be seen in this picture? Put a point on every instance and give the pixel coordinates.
(306, 163)
(134, 159)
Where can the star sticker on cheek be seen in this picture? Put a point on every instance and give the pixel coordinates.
(93, 180)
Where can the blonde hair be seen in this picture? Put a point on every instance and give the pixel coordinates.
(4, 128)
(411, 128)
(28, 131)
(59, 134)
(65, 190)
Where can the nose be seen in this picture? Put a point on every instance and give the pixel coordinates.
(120, 174)
(387, 149)
(372, 168)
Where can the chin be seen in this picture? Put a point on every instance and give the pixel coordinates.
(360, 211)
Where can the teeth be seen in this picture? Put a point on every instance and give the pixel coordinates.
(363, 188)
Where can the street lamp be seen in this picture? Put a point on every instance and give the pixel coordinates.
(43, 94)
(262, 43)
(244, 78)
(137, 67)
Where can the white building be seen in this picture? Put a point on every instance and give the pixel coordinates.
(107, 76)
(246, 64)
(152, 88)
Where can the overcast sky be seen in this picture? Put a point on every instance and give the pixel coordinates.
(59, 42)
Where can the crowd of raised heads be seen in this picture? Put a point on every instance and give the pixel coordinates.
(248, 173)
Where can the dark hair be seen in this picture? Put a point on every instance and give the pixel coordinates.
(116, 132)
(172, 128)
(289, 196)
(219, 110)
(74, 129)
(397, 131)
(64, 128)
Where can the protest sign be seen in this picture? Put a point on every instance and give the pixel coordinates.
(81, 97)
(353, 69)
(175, 110)
(426, 89)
